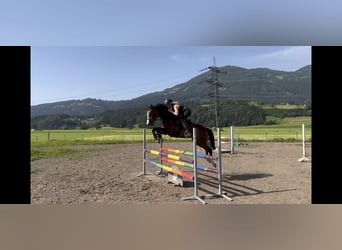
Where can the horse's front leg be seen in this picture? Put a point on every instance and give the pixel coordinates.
(154, 133)
(157, 134)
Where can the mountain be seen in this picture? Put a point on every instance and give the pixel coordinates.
(85, 107)
(234, 83)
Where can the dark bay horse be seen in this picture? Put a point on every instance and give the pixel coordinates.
(170, 126)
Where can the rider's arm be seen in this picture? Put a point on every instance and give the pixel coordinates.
(176, 108)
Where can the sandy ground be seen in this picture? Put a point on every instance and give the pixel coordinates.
(258, 173)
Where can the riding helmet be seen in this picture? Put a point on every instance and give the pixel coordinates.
(167, 101)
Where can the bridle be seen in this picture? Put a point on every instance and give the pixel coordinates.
(150, 118)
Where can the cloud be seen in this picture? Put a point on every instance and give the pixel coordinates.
(290, 58)
(288, 53)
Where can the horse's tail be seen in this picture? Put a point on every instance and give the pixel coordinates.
(211, 138)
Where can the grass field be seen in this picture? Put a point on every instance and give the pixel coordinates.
(289, 129)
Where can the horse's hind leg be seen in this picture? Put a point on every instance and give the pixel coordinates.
(209, 152)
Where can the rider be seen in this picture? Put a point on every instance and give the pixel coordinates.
(182, 112)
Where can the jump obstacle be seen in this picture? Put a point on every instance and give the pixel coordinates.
(185, 162)
(304, 158)
(230, 141)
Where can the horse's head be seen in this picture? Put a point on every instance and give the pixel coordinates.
(152, 115)
(160, 110)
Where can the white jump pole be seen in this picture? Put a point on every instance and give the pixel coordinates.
(144, 155)
(221, 194)
(160, 170)
(304, 158)
(194, 149)
(219, 166)
(231, 140)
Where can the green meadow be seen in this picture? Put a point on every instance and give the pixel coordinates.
(288, 129)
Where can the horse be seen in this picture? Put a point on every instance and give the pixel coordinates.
(204, 136)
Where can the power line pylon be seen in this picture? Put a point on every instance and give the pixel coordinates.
(213, 80)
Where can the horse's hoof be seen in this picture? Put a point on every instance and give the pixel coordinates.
(187, 134)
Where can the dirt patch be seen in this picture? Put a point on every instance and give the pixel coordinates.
(258, 173)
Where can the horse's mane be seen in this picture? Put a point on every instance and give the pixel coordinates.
(161, 106)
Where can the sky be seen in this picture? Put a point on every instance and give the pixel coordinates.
(61, 73)
(168, 23)
(121, 49)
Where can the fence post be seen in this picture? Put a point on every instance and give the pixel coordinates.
(304, 158)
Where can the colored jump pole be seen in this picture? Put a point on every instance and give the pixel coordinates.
(304, 158)
(195, 196)
(170, 156)
(188, 153)
(185, 164)
(172, 170)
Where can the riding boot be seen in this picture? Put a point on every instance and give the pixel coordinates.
(185, 125)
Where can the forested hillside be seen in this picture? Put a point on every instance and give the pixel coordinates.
(230, 113)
